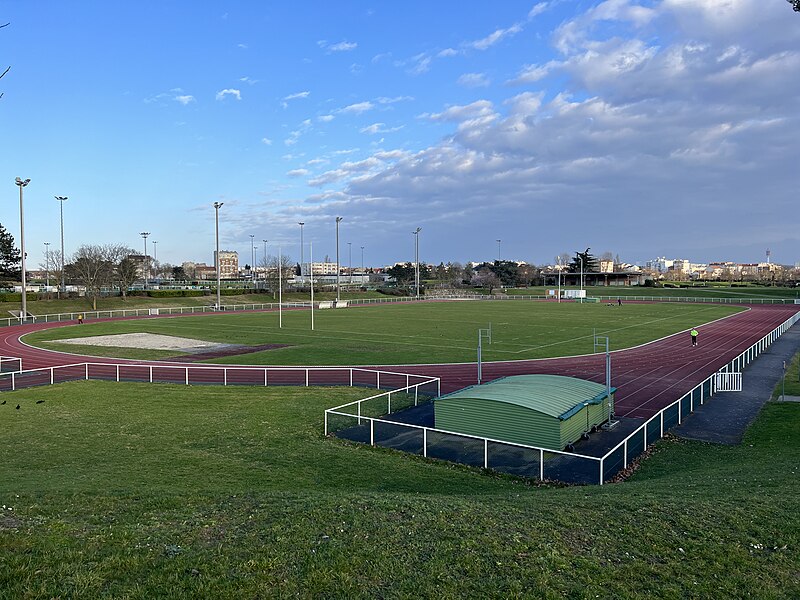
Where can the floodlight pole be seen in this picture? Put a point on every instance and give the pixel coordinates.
(498, 250)
(280, 287)
(217, 206)
(338, 295)
(266, 258)
(252, 255)
(301, 223)
(558, 260)
(144, 235)
(350, 262)
(362, 262)
(311, 274)
(22, 183)
(63, 289)
(416, 259)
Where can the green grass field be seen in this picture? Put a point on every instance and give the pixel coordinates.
(136, 491)
(409, 333)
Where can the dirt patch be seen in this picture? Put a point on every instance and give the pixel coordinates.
(149, 341)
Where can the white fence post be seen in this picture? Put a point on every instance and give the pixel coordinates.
(151, 374)
(306, 377)
(351, 377)
(13, 383)
(87, 370)
(117, 373)
(425, 442)
(225, 376)
(541, 464)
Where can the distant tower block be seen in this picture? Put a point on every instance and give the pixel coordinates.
(769, 253)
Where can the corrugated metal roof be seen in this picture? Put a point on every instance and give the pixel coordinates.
(553, 395)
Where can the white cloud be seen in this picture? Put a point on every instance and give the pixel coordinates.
(377, 128)
(447, 52)
(187, 99)
(538, 9)
(326, 118)
(229, 92)
(473, 80)
(476, 110)
(495, 37)
(358, 108)
(342, 46)
(297, 95)
(297, 173)
(248, 80)
(393, 100)
(266, 141)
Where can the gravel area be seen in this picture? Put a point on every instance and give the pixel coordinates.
(148, 341)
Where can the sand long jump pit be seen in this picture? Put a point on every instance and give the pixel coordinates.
(195, 349)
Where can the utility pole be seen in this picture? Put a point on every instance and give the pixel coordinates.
(23, 183)
(144, 235)
(217, 206)
(338, 295)
(61, 200)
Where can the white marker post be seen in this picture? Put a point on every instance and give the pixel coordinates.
(280, 288)
(311, 273)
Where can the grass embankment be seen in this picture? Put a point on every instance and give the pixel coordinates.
(136, 491)
(82, 305)
(408, 333)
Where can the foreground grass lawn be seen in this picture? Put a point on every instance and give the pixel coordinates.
(408, 333)
(137, 491)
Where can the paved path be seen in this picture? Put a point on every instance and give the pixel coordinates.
(725, 419)
(647, 378)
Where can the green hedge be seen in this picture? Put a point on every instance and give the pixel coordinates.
(14, 297)
(175, 293)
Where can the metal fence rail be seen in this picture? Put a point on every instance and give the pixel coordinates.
(214, 375)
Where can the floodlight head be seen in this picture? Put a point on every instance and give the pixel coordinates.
(144, 234)
(417, 230)
(301, 223)
(217, 205)
(22, 183)
(339, 219)
(61, 198)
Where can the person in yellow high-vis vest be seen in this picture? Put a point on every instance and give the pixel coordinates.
(694, 334)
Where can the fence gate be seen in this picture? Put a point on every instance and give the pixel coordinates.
(728, 382)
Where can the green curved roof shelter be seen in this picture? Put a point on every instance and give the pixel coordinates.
(549, 411)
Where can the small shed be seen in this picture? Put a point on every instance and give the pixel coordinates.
(549, 411)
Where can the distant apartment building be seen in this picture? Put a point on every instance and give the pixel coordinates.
(606, 266)
(320, 268)
(228, 264)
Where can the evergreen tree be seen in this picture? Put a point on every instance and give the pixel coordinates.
(588, 261)
(10, 258)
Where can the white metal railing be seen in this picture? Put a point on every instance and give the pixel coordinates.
(211, 374)
(10, 364)
(698, 393)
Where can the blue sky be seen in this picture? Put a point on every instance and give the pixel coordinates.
(643, 128)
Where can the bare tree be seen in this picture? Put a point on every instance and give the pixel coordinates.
(274, 271)
(126, 268)
(93, 267)
(486, 279)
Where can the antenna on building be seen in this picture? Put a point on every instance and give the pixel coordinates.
(769, 253)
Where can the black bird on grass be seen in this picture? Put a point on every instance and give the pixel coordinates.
(17, 406)
(3, 402)
(40, 402)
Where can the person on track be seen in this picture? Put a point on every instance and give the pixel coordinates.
(694, 334)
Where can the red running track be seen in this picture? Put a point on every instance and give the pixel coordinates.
(647, 378)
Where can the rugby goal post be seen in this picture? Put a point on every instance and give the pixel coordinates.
(728, 382)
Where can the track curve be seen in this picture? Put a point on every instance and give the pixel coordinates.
(647, 377)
